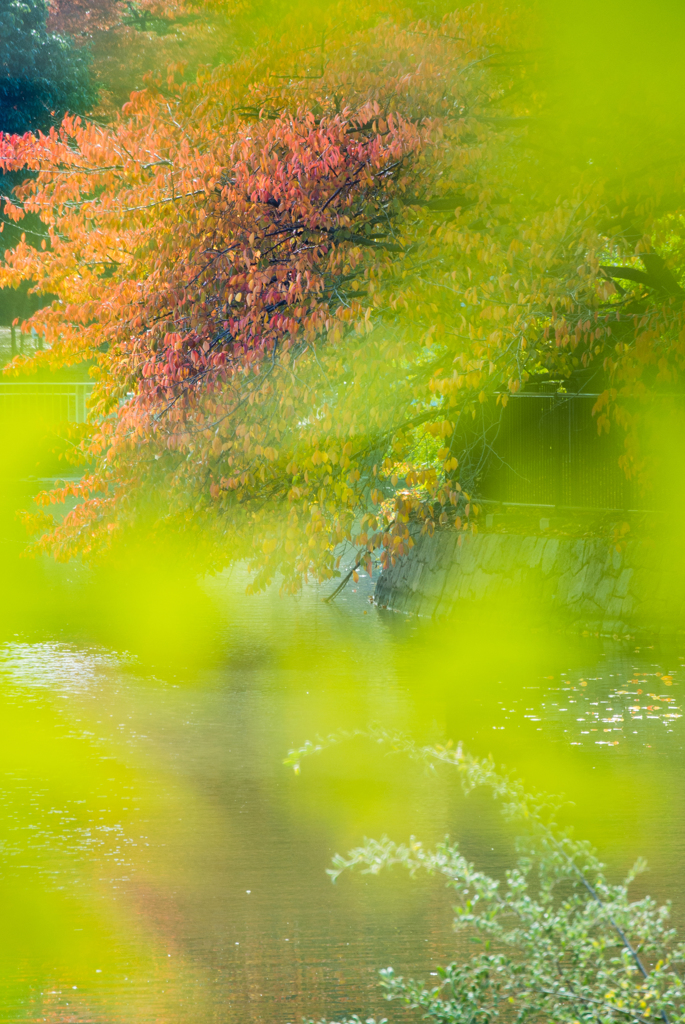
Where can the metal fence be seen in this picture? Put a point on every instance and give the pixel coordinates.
(48, 403)
(547, 451)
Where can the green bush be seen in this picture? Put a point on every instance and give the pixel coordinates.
(555, 940)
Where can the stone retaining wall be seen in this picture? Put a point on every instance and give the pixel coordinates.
(586, 581)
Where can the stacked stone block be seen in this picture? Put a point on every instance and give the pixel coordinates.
(585, 580)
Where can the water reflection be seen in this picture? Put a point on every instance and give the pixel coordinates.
(160, 863)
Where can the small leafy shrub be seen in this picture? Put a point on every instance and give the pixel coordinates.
(556, 941)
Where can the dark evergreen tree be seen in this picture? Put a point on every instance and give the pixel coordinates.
(42, 75)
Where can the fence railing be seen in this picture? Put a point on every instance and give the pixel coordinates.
(547, 452)
(50, 402)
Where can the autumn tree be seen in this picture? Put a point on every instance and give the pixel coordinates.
(309, 279)
(85, 58)
(41, 77)
(126, 41)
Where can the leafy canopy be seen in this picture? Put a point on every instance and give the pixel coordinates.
(308, 281)
(126, 41)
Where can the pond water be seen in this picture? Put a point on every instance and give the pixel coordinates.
(159, 861)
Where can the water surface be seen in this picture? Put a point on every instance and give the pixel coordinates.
(161, 864)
